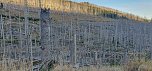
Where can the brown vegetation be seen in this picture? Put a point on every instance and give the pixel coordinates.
(69, 6)
(138, 65)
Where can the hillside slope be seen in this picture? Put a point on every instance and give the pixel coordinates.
(74, 7)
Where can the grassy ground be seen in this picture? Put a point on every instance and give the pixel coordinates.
(138, 66)
(130, 66)
(13, 65)
(88, 68)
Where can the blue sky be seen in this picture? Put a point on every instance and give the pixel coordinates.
(141, 8)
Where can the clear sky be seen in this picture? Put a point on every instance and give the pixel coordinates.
(141, 8)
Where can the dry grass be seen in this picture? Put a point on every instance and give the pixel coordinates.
(13, 65)
(138, 65)
(131, 66)
(88, 68)
(146, 66)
